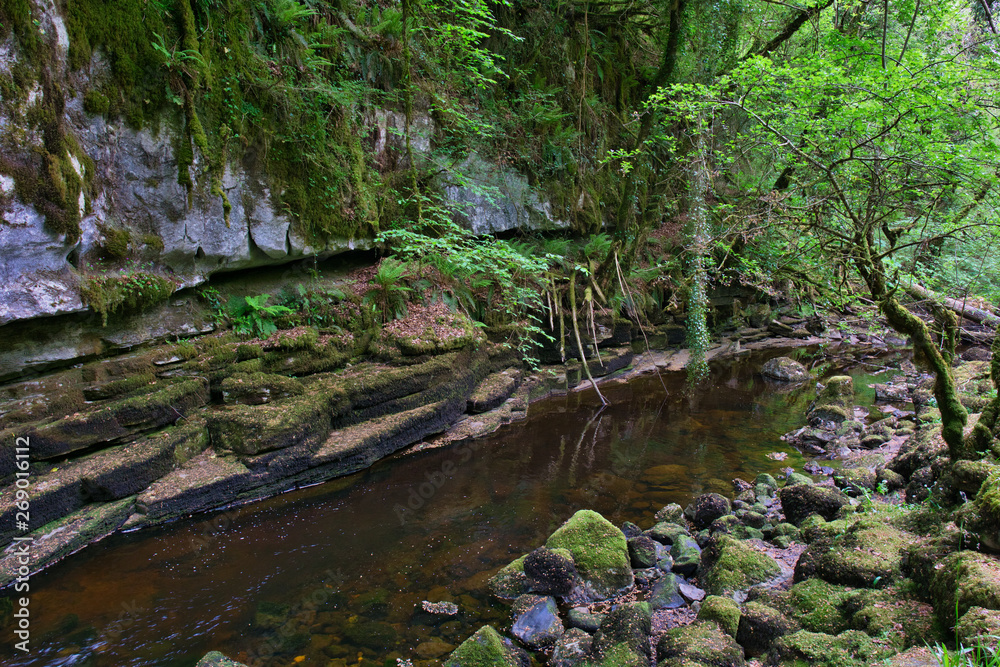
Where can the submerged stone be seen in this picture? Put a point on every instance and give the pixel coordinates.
(216, 659)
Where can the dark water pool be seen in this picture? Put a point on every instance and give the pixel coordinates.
(330, 575)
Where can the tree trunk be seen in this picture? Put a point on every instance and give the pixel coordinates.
(965, 310)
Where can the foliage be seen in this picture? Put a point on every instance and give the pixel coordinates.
(388, 298)
(129, 292)
(981, 655)
(251, 316)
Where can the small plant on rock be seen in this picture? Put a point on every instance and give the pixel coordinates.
(251, 316)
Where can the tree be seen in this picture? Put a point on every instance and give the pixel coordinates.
(881, 148)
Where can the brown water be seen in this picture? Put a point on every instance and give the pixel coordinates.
(350, 562)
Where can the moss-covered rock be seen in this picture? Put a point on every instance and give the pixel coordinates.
(216, 659)
(706, 508)
(784, 369)
(848, 649)
(855, 481)
(510, 581)
(801, 500)
(550, 572)
(893, 617)
(642, 551)
(965, 580)
(600, 553)
(628, 625)
(259, 388)
(701, 641)
(816, 604)
(868, 555)
(486, 648)
(571, 648)
(729, 565)
(722, 610)
(979, 627)
(760, 626)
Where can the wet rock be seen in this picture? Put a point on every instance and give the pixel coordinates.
(486, 648)
(642, 551)
(690, 592)
(672, 513)
(665, 593)
(600, 553)
(432, 613)
(760, 626)
(584, 619)
(701, 642)
(768, 481)
(536, 620)
(571, 648)
(793, 479)
(706, 508)
(433, 649)
(729, 565)
(891, 393)
(628, 625)
(510, 581)
(752, 519)
(667, 533)
(550, 572)
(686, 555)
(784, 369)
(216, 659)
(630, 530)
(801, 500)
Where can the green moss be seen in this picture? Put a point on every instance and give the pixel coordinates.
(817, 605)
(700, 642)
(722, 610)
(979, 627)
(116, 241)
(510, 581)
(95, 102)
(849, 649)
(892, 616)
(867, 553)
(126, 385)
(125, 294)
(964, 580)
(486, 648)
(599, 550)
(729, 565)
(17, 16)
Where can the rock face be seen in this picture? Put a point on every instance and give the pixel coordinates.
(784, 369)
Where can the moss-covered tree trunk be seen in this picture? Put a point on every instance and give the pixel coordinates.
(926, 351)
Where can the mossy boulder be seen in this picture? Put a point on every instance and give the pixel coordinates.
(550, 572)
(893, 617)
(985, 512)
(706, 508)
(848, 649)
(729, 565)
(701, 641)
(784, 369)
(642, 551)
(571, 648)
(600, 553)
(686, 556)
(628, 625)
(510, 581)
(868, 554)
(216, 659)
(672, 513)
(801, 500)
(855, 481)
(486, 648)
(965, 580)
(666, 532)
(979, 627)
(722, 610)
(834, 404)
(816, 604)
(760, 626)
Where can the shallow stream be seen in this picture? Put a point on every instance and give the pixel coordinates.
(331, 574)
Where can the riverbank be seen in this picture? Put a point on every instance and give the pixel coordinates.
(879, 564)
